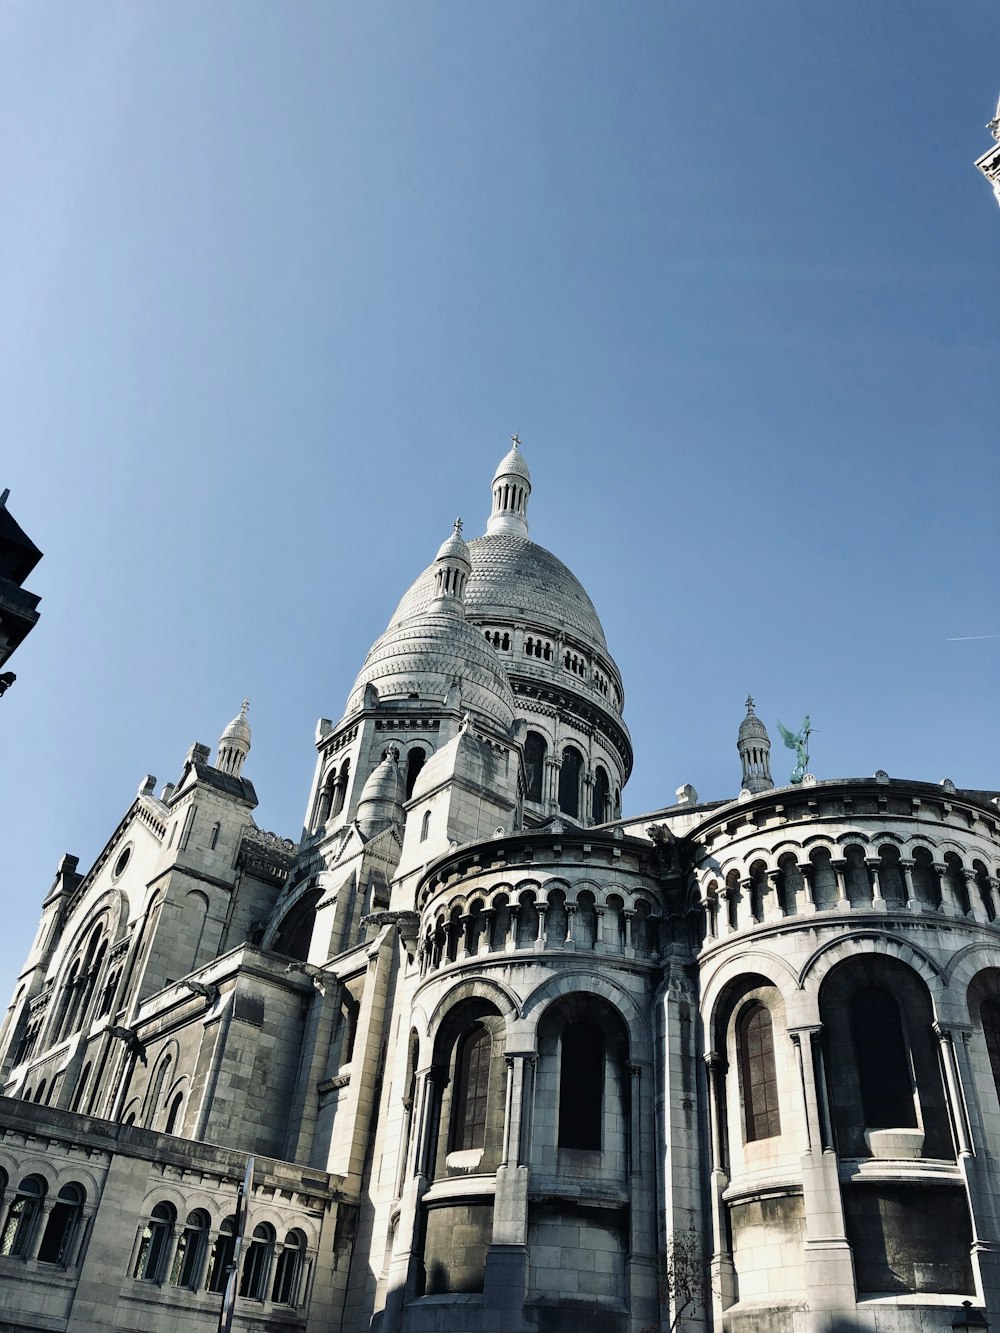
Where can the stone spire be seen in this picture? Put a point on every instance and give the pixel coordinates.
(234, 743)
(511, 488)
(754, 746)
(452, 568)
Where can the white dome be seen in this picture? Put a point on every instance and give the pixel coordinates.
(513, 578)
(513, 465)
(425, 654)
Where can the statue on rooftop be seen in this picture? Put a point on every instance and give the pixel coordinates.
(799, 742)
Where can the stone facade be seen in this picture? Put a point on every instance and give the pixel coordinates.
(507, 1062)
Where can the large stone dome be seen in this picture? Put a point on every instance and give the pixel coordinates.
(513, 577)
(424, 654)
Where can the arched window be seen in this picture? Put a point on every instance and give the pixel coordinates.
(153, 1244)
(882, 1059)
(581, 1086)
(156, 1088)
(569, 782)
(425, 826)
(758, 1077)
(535, 751)
(415, 761)
(599, 813)
(288, 1269)
(295, 932)
(81, 1088)
(57, 1242)
(19, 1224)
(324, 803)
(340, 790)
(190, 1251)
(472, 1087)
(222, 1256)
(989, 1016)
(253, 1280)
(173, 1113)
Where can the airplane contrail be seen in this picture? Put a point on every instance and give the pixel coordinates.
(965, 638)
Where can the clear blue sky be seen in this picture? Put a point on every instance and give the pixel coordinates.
(279, 280)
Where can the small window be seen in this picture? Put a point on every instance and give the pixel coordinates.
(57, 1242)
(153, 1244)
(569, 782)
(581, 1087)
(190, 1251)
(222, 1257)
(425, 826)
(253, 1281)
(758, 1076)
(19, 1224)
(472, 1088)
(415, 761)
(288, 1269)
(535, 751)
(173, 1113)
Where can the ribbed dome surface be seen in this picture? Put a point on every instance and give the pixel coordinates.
(511, 576)
(425, 653)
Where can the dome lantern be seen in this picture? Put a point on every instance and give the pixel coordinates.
(234, 743)
(511, 488)
(754, 746)
(452, 568)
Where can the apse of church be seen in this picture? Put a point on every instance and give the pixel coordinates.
(503, 1059)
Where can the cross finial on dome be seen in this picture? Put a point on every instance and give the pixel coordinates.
(516, 439)
(244, 707)
(749, 703)
(458, 527)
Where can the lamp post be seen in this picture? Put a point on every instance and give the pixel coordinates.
(969, 1320)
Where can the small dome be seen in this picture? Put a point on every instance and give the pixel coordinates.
(752, 727)
(422, 657)
(239, 728)
(386, 783)
(454, 547)
(513, 465)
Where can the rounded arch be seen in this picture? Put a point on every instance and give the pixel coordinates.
(827, 956)
(485, 988)
(774, 969)
(576, 981)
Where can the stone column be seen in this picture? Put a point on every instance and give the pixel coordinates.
(839, 869)
(85, 1221)
(488, 914)
(510, 944)
(599, 944)
(462, 949)
(878, 902)
(993, 885)
(829, 1263)
(979, 911)
(949, 903)
(540, 934)
(744, 905)
(722, 1269)
(971, 1148)
(906, 870)
(38, 1231)
(806, 869)
(628, 931)
(506, 1281)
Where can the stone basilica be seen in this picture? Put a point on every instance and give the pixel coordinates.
(504, 1060)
